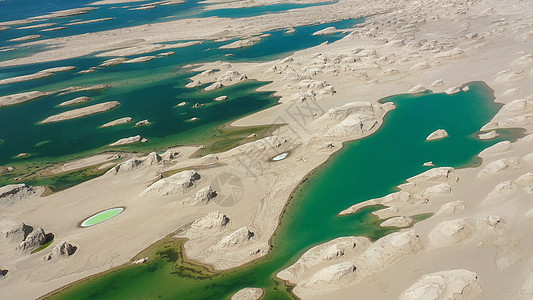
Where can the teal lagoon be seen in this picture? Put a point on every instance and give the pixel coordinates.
(364, 169)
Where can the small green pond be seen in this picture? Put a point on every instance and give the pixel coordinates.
(102, 216)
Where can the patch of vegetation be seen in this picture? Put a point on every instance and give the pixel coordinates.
(421, 217)
(226, 137)
(44, 246)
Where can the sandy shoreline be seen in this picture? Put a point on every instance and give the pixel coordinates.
(377, 60)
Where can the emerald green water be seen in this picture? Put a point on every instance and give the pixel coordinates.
(363, 169)
(102, 216)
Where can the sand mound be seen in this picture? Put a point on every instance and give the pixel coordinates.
(451, 207)
(331, 250)
(61, 251)
(128, 140)
(516, 113)
(213, 220)
(523, 60)
(453, 90)
(326, 31)
(437, 135)
(452, 284)
(489, 135)
(140, 59)
(496, 148)
(376, 258)
(77, 100)
(33, 241)
(510, 76)
(450, 54)
(12, 231)
(242, 43)
(179, 183)
(248, 294)
(332, 274)
(14, 193)
(134, 163)
(202, 197)
(508, 163)
(492, 224)
(397, 222)
(448, 233)
(241, 236)
(436, 175)
(113, 62)
(398, 198)
(438, 189)
(353, 119)
(117, 122)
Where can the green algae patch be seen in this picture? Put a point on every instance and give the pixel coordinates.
(102, 216)
(226, 137)
(44, 246)
(34, 176)
(421, 217)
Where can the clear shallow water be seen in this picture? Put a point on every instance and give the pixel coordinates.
(362, 170)
(146, 91)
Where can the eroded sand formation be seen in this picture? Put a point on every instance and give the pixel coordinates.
(474, 245)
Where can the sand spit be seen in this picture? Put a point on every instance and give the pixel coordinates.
(20, 98)
(22, 78)
(438, 134)
(248, 294)
(37, 26)
(117, 122)
(106, 2)
(67, 13)
(77, 100)
(140, 59)
(54, 28)
(128, 140)
(38, 75)
(82, 112)
(97, 87)
(136, 47)
(242, 43)
(86, 162)
(26, 38)
(17, 22)
(89, 21)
